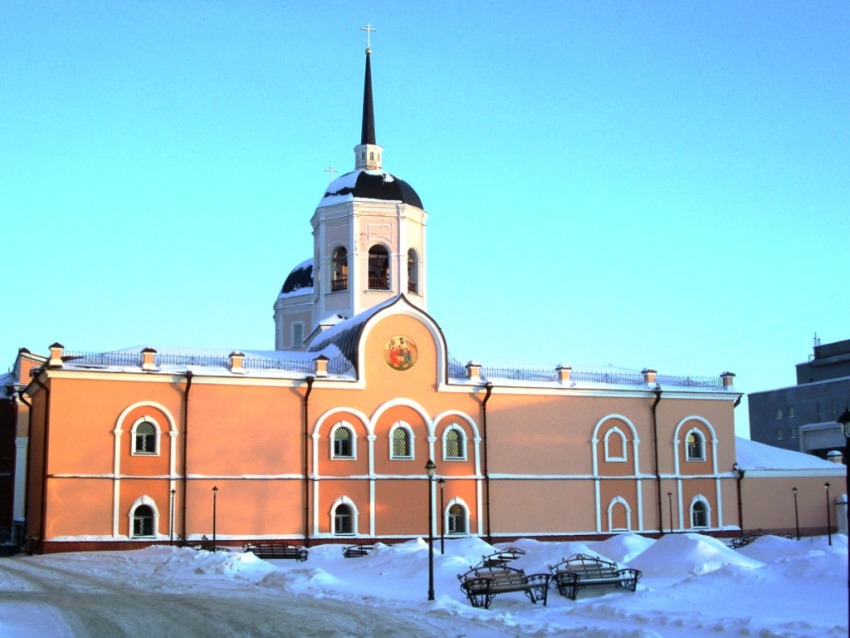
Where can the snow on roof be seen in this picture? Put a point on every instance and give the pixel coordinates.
(212, 361)
(752, 455)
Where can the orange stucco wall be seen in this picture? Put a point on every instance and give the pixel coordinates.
(550, 461)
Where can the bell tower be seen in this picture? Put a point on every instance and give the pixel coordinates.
(368, 242)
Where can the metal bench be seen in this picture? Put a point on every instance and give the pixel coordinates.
(482, 584)
(580, 571)
(276, 550)
(355, 551)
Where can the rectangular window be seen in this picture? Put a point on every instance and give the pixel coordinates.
(297, 334)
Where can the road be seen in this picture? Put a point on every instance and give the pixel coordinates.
(60, 601)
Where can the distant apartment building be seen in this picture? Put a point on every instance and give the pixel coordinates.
(803, 417)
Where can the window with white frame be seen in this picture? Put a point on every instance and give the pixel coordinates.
(454, 444)
(615, 445)
(343, 442)
(699, 514)
(145, 437)
(695, 446)
(401, 443)
(343, 520)
(143, 522)
(457, 516)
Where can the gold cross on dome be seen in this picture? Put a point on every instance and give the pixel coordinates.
(369, 29)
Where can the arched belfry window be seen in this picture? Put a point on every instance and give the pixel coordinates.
(339, 268)
(379, 268)
(412, 272)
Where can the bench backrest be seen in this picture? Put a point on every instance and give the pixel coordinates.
(589, 566)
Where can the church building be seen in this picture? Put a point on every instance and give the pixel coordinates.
(360, 420)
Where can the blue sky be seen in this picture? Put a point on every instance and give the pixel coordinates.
(641, 184)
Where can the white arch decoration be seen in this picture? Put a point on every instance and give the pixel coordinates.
(713, 472)
(143, 500)
(594, 440)
(456, 501)
(355, 515)
(618, 500)
(118, 432)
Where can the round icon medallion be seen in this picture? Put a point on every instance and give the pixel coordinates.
(400, 353)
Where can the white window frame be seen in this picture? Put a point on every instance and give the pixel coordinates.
(699, 498)
(157, 436)
(461, 443)
(350, 428)
(143, 501)
(411, 439)
(608, 456)
(696, 459)
(355, 516)
(460, 503)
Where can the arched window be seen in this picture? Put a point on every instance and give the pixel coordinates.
(696, 446)
(457, 519)
(619, 515)
(412, 272)
(379, 268)
(615, 445)
(400, 443)
(343, 443)
(699, 514)
(343, 520)
(143, 522)
(454, 447)
(339, 268)
(145, 438)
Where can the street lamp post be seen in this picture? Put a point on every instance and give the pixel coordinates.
(430, 468)
(215, 493)
(442, 483)
(796, 513)
(670, 502)
(171, 520)
(828, 514)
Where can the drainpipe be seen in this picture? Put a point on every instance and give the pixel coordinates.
(657, 469)
(43, 523)
(306, 416)
(488, 387)
(20, 395)
(185, 490)
(739, 478)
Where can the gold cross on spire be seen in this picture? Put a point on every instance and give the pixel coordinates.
(369, 29)
(331, 170)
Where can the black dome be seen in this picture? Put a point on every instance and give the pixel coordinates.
(381, 185)
(300, 277)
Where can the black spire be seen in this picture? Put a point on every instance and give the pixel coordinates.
(367, 134)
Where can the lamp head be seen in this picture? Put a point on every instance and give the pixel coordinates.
(430, 468)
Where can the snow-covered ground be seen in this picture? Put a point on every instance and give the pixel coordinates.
(692, 585)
